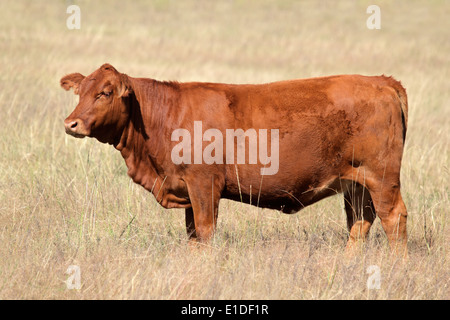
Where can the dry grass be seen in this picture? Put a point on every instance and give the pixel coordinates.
(65, 201)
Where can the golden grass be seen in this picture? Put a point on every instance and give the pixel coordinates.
(65, 201)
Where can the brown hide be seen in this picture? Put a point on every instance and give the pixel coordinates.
(335, 134)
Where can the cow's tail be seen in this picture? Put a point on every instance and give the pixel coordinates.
(401, 93)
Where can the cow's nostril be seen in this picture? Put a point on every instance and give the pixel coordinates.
(71, 126)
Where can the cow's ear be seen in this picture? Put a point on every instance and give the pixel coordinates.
(72, 81)
(125, 88)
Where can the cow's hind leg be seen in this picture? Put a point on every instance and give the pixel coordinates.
(383, 185)
(391, 209)
(360, 213)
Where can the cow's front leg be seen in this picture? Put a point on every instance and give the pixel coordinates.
(201, 219)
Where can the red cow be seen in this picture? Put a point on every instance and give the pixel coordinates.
(191, 144)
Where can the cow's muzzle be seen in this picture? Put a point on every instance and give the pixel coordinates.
(75, 128)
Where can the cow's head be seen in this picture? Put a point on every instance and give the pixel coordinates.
(103, 109)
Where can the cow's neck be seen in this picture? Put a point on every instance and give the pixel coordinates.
(142, 143)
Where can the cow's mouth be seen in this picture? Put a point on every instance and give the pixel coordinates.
(76, 135)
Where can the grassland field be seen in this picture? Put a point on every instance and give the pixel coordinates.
(65, 201)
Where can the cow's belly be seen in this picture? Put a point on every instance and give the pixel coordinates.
(289, 196)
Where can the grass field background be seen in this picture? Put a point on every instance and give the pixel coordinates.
(65, 201)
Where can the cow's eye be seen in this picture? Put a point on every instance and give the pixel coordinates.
(104, 94)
